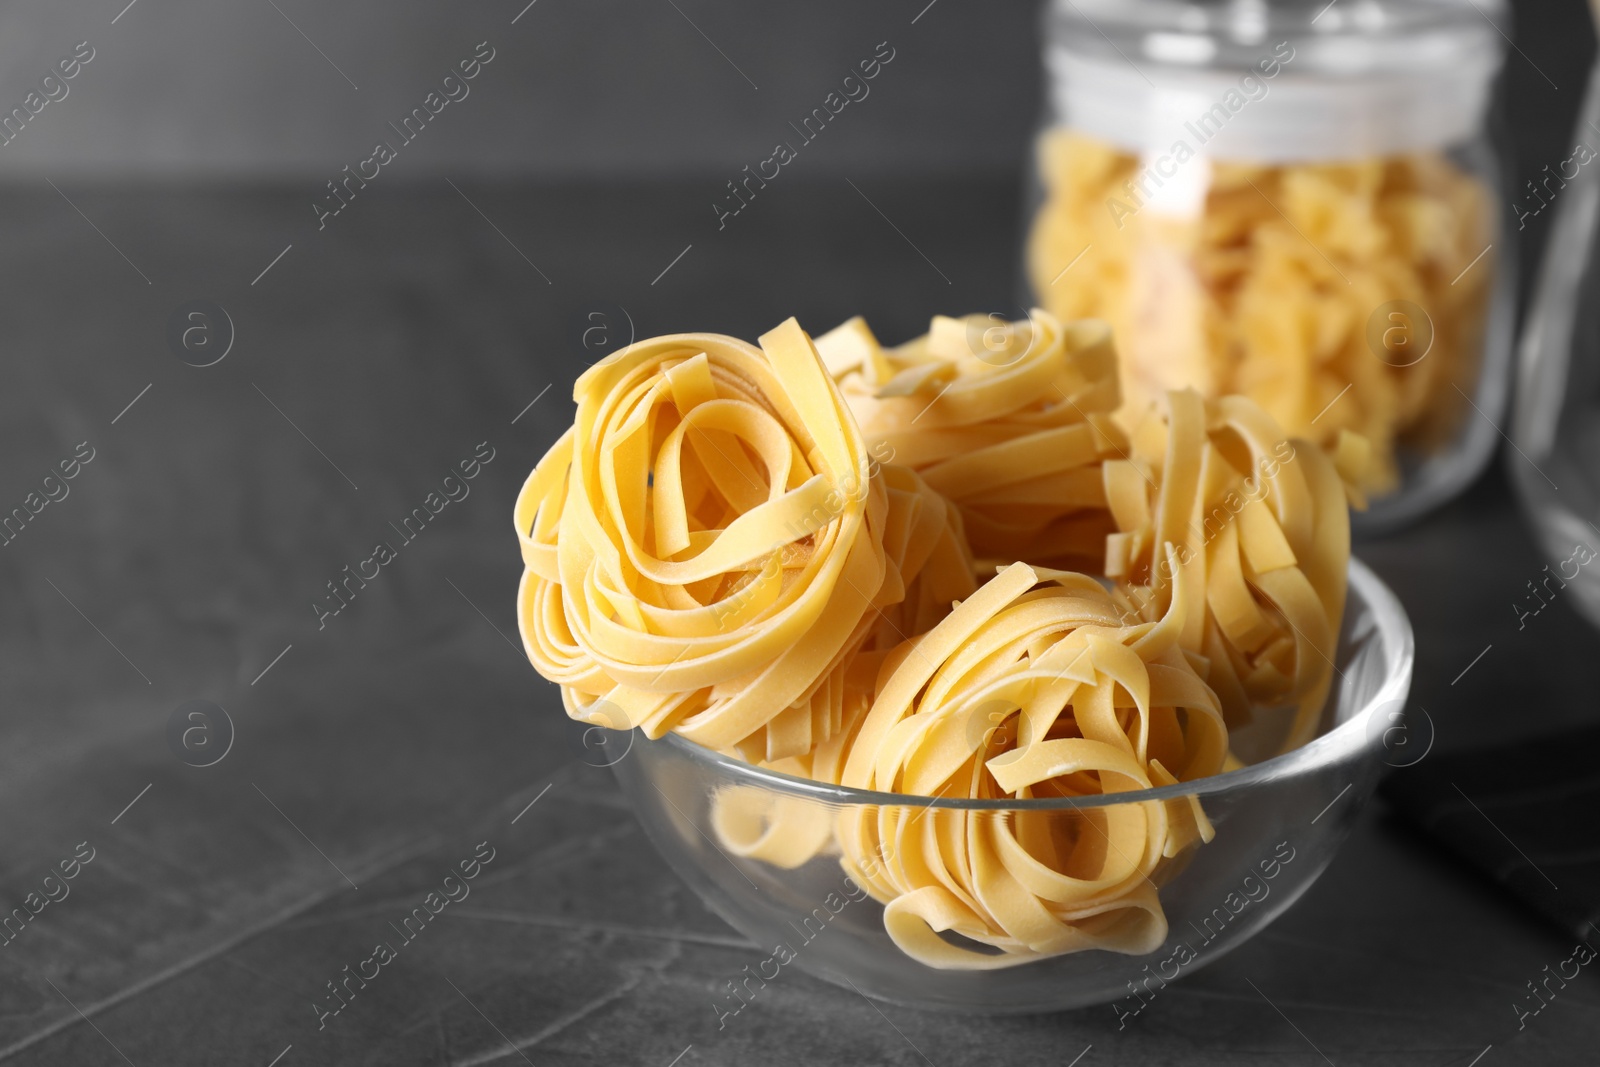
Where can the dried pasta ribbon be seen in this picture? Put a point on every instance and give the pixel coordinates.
(759, 824)
(930, 567)
(1010, 420)
(1035, 686)
(711, 544)
(1267, 292)
(1260, 523)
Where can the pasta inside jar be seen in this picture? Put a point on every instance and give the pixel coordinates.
(1270, 289)
(1295, 203)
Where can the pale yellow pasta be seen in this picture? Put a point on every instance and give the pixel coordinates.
(1036, 686)
(1010, 420)
(1260, 523)
(711, 544)
(759, 824)
(1268, 290)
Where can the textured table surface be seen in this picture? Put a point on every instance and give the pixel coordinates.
(374, 748)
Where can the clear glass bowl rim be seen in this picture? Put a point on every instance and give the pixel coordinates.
(1345, 741)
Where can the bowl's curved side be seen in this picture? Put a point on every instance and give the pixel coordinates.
(1272, 841)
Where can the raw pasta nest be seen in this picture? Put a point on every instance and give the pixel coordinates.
(1260, 523)
(710, 545)
(1010, 420)
(1030, 690)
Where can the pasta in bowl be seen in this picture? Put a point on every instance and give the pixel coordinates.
(737, 834)
(823, 579)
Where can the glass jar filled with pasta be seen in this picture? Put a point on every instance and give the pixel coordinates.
(1298, 202)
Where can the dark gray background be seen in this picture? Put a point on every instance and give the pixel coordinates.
(382, 350)
(614, 89)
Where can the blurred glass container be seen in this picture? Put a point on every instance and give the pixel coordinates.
(1555, 426)
(1295, 201)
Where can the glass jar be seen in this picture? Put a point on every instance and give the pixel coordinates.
(1555, 427)
(1299, 202)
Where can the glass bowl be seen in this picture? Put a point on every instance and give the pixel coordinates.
(1277, 824)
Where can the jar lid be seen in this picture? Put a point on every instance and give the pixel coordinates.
(1273, 82)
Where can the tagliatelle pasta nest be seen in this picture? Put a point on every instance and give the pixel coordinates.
(1260, 523)
(1269, 288)
(710, 544)
(765, 549)
(1010, 420)
(1031, 691)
